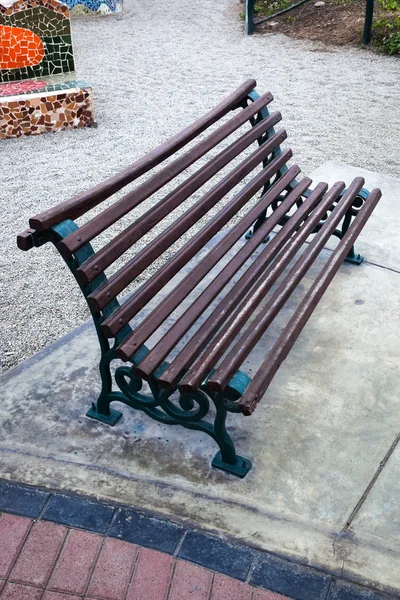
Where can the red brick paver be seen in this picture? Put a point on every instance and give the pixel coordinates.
(226, 587)
(76, 563)
(16, 591)
(190, 581)
(57, 596)
(152, 576)
(13, 531)
(39, 554)
(46, 561)
(113, 571)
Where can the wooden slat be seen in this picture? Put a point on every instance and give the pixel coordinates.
(155, 283)
(77, 206)
(116, 247)
(25, 240)
(291, 332)
(241, 349)
(118, 281)
(261, 287)
(192, 349)
(110, 215)
(198, 306)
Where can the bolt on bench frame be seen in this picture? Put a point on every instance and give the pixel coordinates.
(207, 380)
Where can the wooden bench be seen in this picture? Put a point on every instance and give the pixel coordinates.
(194, 367)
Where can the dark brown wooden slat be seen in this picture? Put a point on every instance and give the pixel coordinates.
(243, 311)
(230, 364)
(291, 332)
(121, 207)
(116, 247)
(191, 351)
(77, 206)
(172, 267)
(24, 240)
(118, 281)
(197, 307)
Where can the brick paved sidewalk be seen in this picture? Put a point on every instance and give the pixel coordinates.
(63, 547)
(44, 560)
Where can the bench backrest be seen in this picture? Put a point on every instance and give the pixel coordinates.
(257, 149)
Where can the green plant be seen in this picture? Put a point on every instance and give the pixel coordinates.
(387, 34)
(270, 7)
(390, 5)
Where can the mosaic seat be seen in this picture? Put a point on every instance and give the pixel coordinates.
(39, 91)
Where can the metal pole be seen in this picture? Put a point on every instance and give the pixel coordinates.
(249, 17)
(369, 13)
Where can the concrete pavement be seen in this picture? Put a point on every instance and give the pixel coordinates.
(324, 486)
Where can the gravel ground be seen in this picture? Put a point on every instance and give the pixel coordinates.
(154, 69)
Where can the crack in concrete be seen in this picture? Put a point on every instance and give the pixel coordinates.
(340, 552)
(368, 262)
(371, 484)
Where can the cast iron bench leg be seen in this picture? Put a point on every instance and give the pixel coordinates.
(189, 410)
(226, 458)
(101, 410)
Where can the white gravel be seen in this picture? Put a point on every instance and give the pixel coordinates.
(155, 69)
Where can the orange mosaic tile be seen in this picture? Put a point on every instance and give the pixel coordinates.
(19, 48)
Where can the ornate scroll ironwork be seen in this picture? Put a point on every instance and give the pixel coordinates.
(172, 408)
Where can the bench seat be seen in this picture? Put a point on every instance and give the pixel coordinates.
(188, 351)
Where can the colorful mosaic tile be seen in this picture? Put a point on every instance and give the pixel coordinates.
(93, 7)
(45, 85)
(34, 114)
(35, 56)
(35, 39)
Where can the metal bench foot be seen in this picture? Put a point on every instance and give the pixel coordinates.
(240, 468)
(354, 260)
(111, 419)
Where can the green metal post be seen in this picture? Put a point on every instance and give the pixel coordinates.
(249, 17)
(369, 13)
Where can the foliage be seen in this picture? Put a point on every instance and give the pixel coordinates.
(387, 34)
(387, 28)
(270, 7)
(390, 5)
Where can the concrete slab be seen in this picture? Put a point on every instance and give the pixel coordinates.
(379, 242)
(316, 439)
(377, 521)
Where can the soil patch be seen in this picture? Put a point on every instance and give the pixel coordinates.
(338, 22)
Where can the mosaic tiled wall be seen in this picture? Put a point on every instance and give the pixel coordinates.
(39, 91)
(35, 39)
(93, 7)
